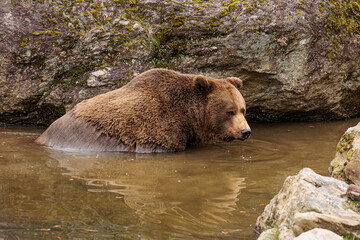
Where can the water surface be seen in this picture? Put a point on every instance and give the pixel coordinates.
(213, 191)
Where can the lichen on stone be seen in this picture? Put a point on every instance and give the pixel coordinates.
(50, 32)
(24, 42)
(343, 21)
(346, 152)
(345, 143)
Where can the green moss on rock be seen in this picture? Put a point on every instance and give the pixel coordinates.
(343, 21)
(129, 28)
(345, 143)
(24, 42)
(49, 32)
(223, 13)
(38, 33)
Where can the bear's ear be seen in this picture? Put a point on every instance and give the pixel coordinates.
(235, 81)
(202, 84)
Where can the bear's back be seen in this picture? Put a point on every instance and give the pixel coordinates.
(142, 112)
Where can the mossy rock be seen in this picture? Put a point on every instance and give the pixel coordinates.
(348, 149)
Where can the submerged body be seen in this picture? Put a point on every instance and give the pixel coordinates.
(158, 111)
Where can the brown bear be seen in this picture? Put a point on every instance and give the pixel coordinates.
(158, 111)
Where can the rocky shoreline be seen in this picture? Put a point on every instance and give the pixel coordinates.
(311, 206)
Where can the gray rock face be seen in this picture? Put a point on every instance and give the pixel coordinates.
(53, 53)
(108, 76)
(346, 164)
(307, 201)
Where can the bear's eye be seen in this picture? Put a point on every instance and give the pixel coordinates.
(231, 113)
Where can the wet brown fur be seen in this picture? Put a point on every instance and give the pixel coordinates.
(159, 110)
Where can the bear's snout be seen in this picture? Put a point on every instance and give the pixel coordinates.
(245, 133)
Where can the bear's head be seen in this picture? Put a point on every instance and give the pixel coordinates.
(225, 108)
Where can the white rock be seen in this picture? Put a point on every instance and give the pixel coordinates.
(317, 198)
(99, 78)
(318, 234)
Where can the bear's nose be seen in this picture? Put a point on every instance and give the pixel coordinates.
(245, 133)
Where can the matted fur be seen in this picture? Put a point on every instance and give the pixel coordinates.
(159, 110)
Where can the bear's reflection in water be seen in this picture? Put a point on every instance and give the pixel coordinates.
(183, 191)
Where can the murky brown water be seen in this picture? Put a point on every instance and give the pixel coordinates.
(215, 191)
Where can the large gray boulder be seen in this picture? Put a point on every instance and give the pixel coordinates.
(308, 201)
(346, 164)
(294, 56)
